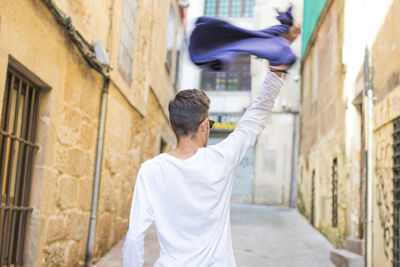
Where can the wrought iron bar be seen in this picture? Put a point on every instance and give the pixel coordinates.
(313, 198)
(9, 175)
(24, 176)
(18, 174)
(15, 208)
(6, 117)
(32, 135)
(13, 137)
(334, 194)
(396, 191)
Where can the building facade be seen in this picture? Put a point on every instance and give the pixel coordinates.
(333, 166)
(51, 100)
(264, 176)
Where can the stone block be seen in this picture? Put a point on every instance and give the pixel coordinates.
(54, 255)
(85, 194)
(107, 191)
(71, 252)
(78, 162)
(60, 161)
(87, 137)
(72, 118)
(65, 136)
(103, 233)
(55, 229)
(77, 225)
(67, 196)
(345, 258)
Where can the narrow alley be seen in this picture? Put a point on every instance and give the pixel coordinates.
(262, 236)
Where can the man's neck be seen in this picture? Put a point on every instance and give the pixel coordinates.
(187, 147)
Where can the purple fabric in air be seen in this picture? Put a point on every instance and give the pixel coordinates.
(214, 42)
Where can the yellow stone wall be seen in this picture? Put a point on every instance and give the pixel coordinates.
(326, 116)
(386, 86)
(136, 119)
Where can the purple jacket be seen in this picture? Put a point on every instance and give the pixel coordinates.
(214, 42)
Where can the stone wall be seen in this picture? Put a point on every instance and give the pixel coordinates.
(386, 88)
(323, 134)
(339, 131)
(136, 120)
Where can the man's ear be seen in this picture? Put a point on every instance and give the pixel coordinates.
(203, 125)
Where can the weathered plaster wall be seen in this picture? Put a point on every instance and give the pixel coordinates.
(323, 134)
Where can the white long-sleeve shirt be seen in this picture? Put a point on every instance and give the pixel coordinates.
(189, 200)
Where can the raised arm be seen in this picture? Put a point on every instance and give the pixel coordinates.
(235, 146)
(141, 218)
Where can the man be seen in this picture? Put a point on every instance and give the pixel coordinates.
(186, 192)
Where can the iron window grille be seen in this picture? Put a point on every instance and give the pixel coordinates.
(335, 193)
(17, 149)
(396, 192)
(312, 219)
(229, 8)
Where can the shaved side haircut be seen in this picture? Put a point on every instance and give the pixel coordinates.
(187, 110)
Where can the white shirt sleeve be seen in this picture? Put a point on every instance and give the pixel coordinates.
(235, 146)
(141, 218)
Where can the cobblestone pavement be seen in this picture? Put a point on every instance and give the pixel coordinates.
(262, 236)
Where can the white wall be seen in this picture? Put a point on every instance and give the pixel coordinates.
(274, 146)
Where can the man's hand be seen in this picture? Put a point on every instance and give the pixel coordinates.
(294, 31)
(278, 70)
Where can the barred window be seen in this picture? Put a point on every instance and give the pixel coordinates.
(17, 149)
(335, 193)
(237, 78)
(127, 44)
(396, 192)
(312, 215)
(229, 8)
(170, 37)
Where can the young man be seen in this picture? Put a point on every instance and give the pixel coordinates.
(186, 192)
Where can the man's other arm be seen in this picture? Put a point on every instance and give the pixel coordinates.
(141, 217)
(235, 146)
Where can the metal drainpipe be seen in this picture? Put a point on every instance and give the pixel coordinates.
(370, 165)
(97, 173)
(294, 154)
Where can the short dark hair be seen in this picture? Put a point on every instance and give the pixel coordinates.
(187, 110)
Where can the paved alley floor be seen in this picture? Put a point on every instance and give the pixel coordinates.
(262, 236)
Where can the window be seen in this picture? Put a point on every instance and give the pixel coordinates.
(17, 149)
(335, 193)
(237, 78)
(229, 8)
(170, 37)
(312, 216)
(179, 49)
(127, 44)
(396, 192)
